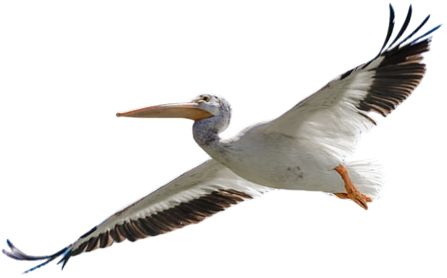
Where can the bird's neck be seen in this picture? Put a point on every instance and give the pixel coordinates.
(208, 138)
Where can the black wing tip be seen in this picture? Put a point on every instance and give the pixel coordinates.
(390, 47)
(6, 253)
(391, 10)
(10, 245)
(400, 70)
(392, 13)
(66, 256)
(426, 35)
(16, 254)
(403, 27)
(390, 29)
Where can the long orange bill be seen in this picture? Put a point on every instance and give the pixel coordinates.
(175, 110)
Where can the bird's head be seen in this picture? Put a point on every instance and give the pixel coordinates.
(205, 109)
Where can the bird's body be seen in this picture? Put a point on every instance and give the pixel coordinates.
(278, 161)
(271, 159)
(307, 148)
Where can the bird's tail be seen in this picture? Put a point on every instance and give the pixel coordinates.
(367, 176)
(16, 254)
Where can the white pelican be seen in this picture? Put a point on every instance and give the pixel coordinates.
(307, 148)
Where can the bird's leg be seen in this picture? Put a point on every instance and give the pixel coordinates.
(351, 191)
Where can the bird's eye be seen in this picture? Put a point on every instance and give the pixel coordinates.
(206, 98)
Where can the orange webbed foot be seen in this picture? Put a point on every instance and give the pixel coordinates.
(358, 197)
(351, 191)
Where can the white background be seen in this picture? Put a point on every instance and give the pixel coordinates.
(66, 161)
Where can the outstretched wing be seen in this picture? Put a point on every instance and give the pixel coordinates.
(190, 198)
(337, 114)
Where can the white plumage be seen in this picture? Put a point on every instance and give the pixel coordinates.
(307, 148)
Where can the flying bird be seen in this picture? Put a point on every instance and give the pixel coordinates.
(306, 148)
